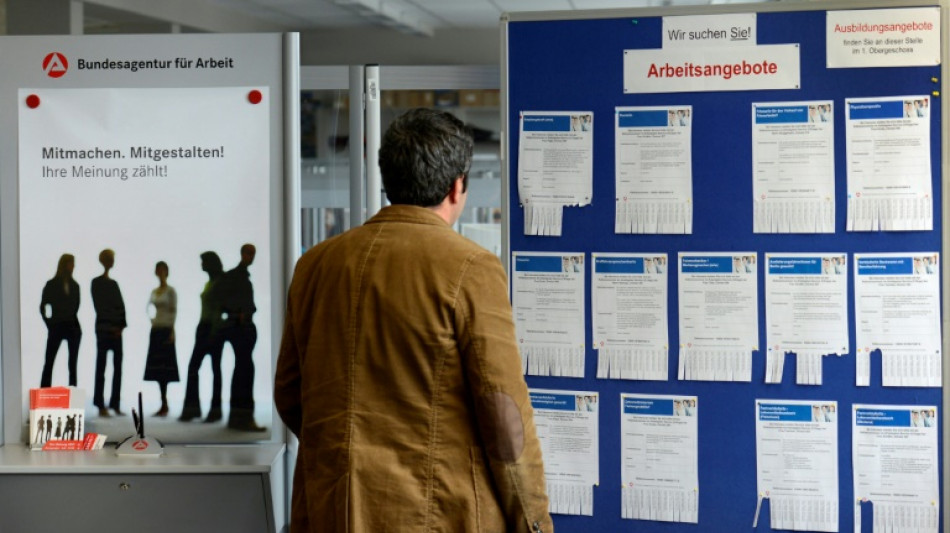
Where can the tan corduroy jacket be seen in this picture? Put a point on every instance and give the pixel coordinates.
(400, 375)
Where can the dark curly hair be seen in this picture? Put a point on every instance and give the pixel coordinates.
(422, 154)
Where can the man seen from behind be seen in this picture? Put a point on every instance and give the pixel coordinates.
(398, 368)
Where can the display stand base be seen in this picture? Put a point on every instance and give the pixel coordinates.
(140, 447)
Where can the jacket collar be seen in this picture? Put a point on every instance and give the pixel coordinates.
(407, 214)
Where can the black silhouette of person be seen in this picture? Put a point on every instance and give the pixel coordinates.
(239, 330)
(110, 321)
(69, 432)
(40, 427)
(49, 428)
(207, 343)
(59, 305)
(161, 362)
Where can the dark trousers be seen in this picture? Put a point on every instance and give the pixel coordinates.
(106, 341)
(71, 333)
(242, 339)
(206, 344)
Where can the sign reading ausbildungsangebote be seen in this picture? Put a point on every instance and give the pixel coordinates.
(883, 37)
(141, 212)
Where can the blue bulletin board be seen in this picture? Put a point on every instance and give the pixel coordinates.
(573, 61)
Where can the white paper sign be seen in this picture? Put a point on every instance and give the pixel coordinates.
(897, 311)
(654, 169)
(737, 29)
(718, 313)
(806, 307)
(547, 298)
(660, 458)
(629, 315)
(733, 68)
(894, 453)
(883, 37)
(797, 463)
(555, 166)
(889, 171)
(568, 428)
(793, 164)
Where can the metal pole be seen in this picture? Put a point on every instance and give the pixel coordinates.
(374, 187)
(357, 192)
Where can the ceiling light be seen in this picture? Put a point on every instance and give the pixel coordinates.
(389, 15)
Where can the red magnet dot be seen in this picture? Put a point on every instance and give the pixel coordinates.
(255, 97)
(33, 101)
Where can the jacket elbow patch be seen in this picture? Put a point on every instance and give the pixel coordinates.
(504, 430)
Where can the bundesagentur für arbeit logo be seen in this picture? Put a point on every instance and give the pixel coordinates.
(55, 64)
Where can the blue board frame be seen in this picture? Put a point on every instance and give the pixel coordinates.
(560, 64)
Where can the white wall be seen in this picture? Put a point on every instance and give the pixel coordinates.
(387, 47)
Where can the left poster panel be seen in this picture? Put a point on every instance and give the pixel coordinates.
(141, 211)
(143, 224)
